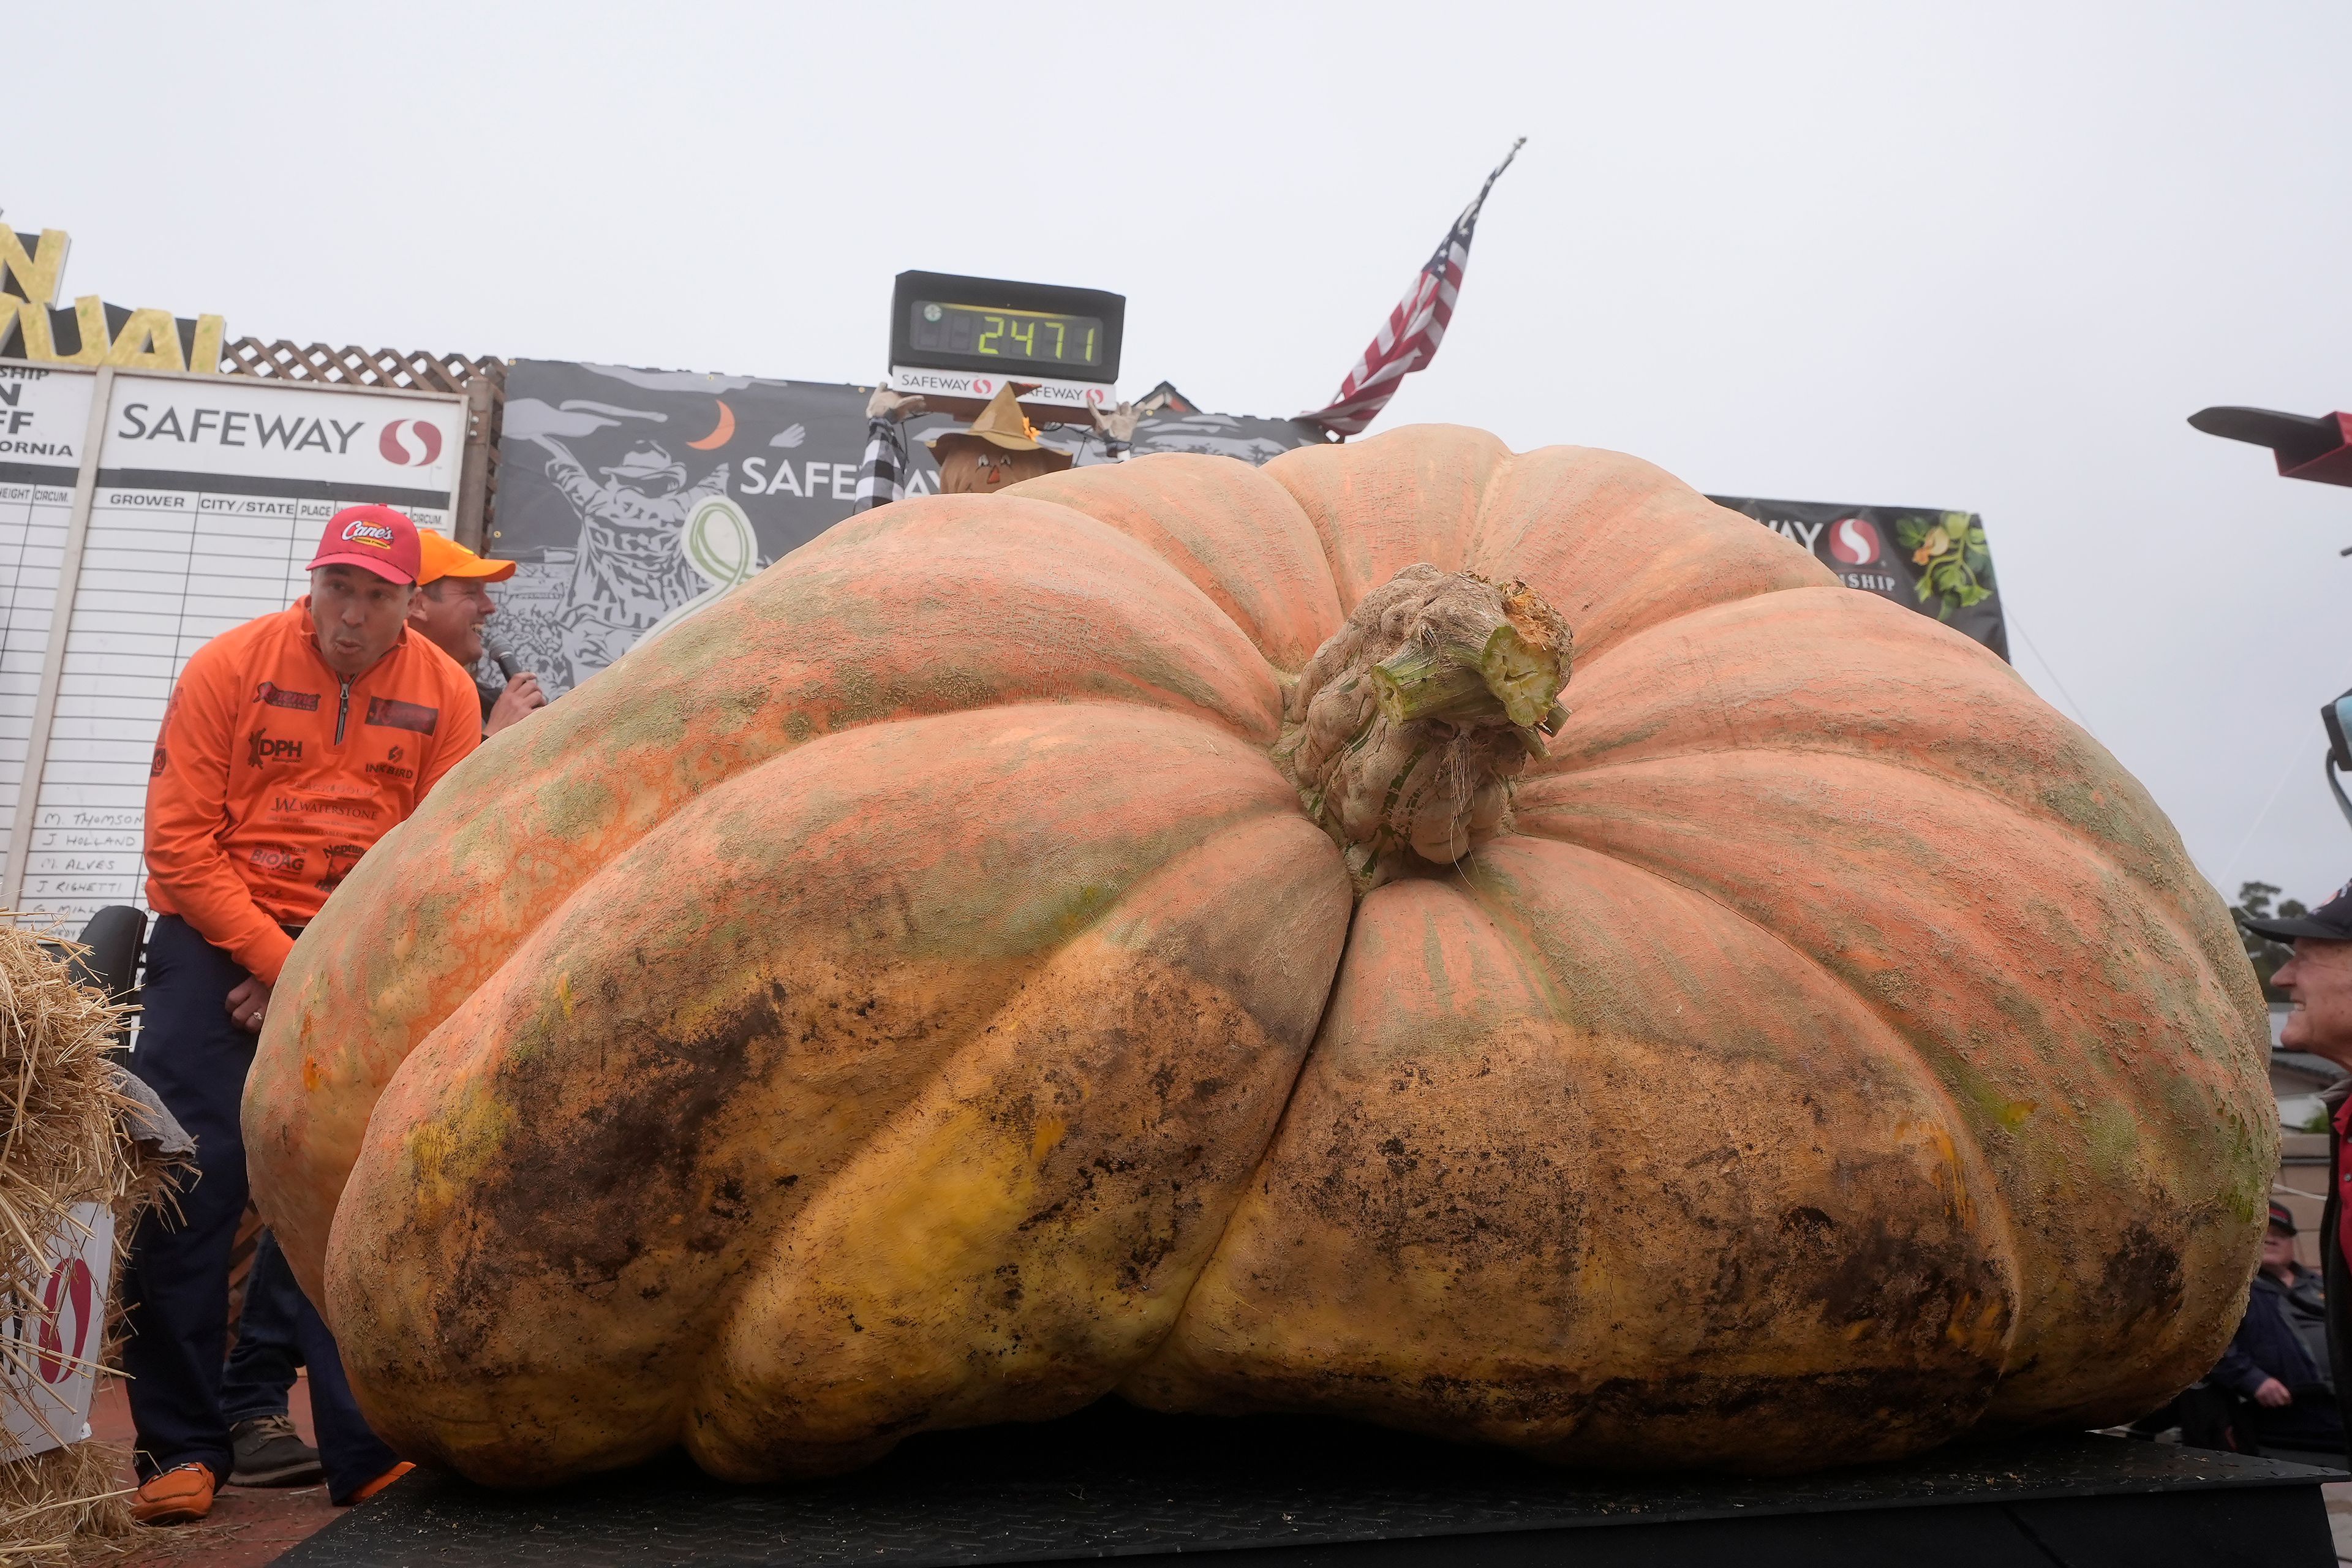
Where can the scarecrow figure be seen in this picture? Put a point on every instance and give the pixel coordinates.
(1001, 448)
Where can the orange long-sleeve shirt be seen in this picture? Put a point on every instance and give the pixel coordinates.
(273, 775)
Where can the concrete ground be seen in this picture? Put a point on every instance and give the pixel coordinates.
(250, 1525)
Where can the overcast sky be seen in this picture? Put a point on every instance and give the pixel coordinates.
(1980, 256)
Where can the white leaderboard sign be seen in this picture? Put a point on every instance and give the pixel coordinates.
(198, 512)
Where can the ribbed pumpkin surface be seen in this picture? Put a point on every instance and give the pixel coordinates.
(909, 996)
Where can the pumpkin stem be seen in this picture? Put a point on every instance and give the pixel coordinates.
(1406, 728)
(1422, 681)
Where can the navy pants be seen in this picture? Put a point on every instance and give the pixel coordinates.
(268, 1338)
(176, 1284)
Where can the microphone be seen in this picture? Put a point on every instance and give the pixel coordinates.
(499, 656)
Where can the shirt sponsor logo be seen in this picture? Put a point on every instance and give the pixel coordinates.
(260, 748)
(155, 768)
(397, 715)
(275, 857)
(340, 859)
(295, 806)
(391, 771)
(276, 696)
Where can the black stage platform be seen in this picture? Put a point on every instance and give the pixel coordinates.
(1112, 1481)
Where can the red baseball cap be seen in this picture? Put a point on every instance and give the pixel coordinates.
(376, 538)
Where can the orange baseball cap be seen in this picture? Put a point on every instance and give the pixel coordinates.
(443, 557)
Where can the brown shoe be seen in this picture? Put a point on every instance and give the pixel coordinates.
(380, 1482)
(181, 1495)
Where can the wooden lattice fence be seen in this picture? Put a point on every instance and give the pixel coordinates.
(482, 381)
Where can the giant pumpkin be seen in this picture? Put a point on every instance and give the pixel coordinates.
(1166, 930)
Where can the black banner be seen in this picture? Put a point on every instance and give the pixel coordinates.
(607, 476)
(1934, 561)
(628, 495)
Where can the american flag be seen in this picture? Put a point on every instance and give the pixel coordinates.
(1408, 339)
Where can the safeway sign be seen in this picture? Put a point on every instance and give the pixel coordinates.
(182, 433)
(50, 1344)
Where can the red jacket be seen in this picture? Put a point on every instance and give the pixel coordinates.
(273, 775)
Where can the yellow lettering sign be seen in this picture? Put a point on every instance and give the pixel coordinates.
(90, 316)
(150, 339)
(36, 274)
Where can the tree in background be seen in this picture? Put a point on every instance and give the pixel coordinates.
(2255, 904)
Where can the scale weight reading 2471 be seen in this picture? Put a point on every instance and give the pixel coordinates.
(958, 341)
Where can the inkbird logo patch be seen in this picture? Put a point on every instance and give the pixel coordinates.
(411, 443)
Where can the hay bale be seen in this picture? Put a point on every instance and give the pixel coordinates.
(64, 1504)
(68, 1136)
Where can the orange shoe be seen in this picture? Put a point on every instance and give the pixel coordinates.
(181, 1495)
(380, 1482)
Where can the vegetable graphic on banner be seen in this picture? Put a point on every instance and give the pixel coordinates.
(1952, 547)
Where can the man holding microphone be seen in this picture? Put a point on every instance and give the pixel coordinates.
(291, 745)
(453, 601)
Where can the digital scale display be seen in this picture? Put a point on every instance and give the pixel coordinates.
(994, 327)
(1069, 345)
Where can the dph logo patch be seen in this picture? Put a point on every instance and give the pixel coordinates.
(259, 748)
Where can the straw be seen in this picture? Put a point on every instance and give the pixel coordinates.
(68, 1139)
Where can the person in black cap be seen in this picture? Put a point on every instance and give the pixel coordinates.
(2279, 1358)
(2318, 980)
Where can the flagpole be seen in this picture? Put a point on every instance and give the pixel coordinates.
(1470, 212)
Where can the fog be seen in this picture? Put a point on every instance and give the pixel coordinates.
(1983, 257)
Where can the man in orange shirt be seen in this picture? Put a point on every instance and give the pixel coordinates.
(292, 743)
(452, 600)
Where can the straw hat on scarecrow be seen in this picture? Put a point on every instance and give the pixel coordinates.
(999, 448)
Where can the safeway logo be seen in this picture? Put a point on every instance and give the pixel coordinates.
(69, 1305)
(1855, 542)
(411, 443)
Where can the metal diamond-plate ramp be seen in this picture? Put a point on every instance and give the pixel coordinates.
(1117, 1482)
